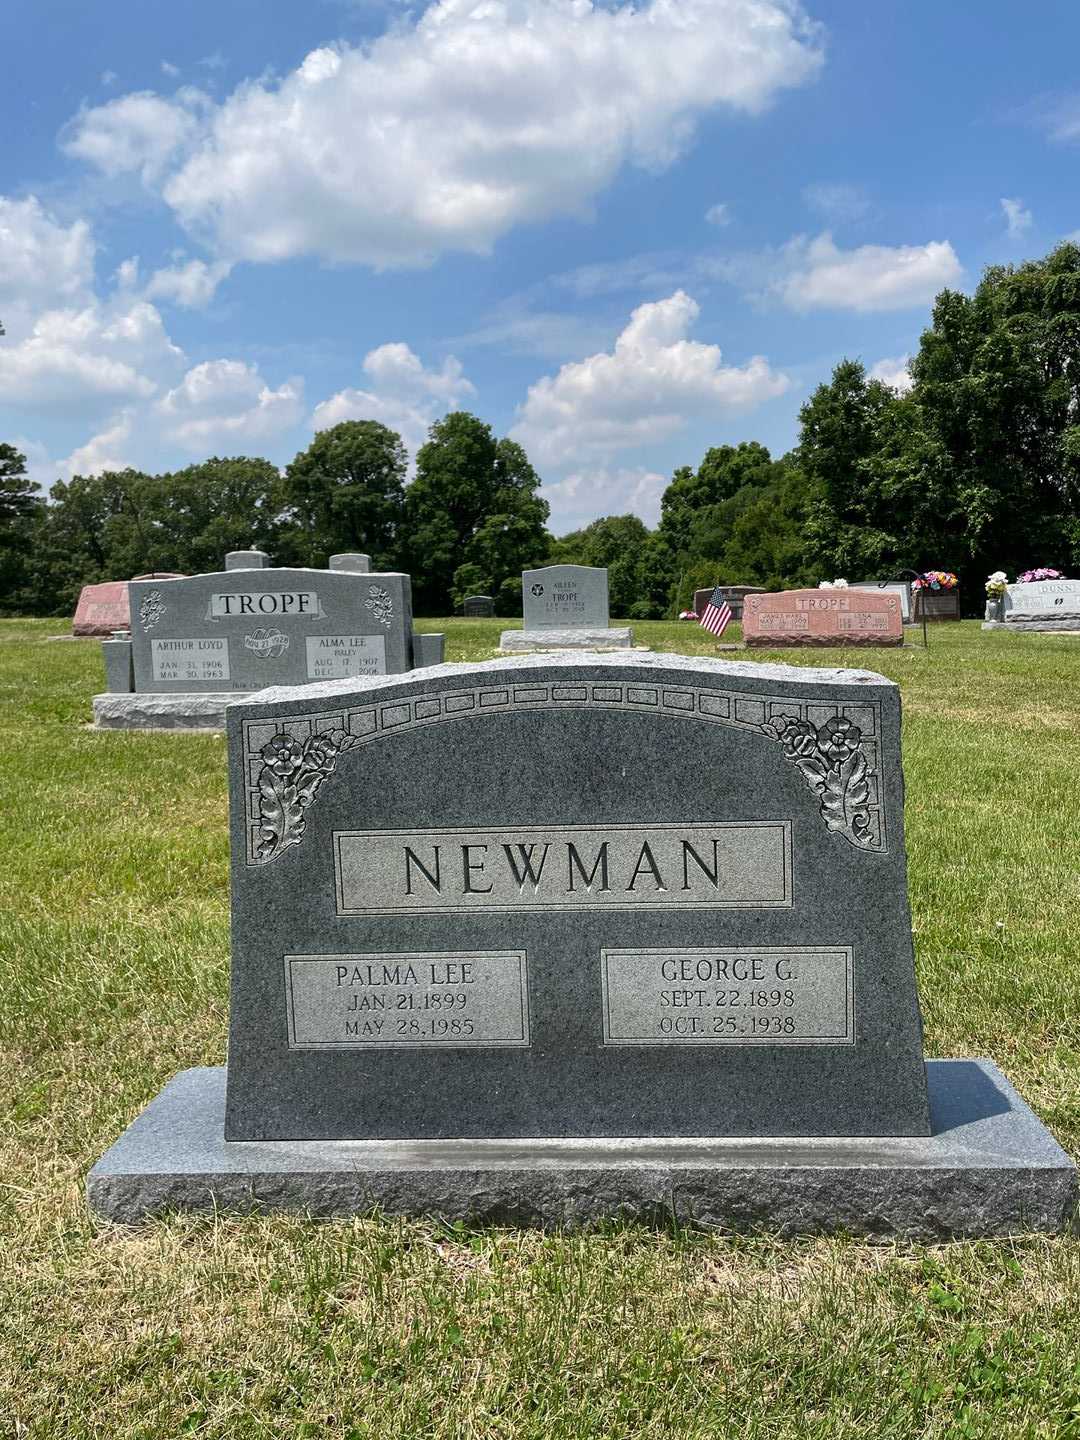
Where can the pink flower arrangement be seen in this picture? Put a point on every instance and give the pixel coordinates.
(936, 580)
(1042, 573)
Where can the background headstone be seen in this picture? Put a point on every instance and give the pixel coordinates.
(822, 617)
(101, 609)
(478, 607)
(565, 597)
(1043, 605)
(247, 560)
(245, 629)
(355, 564)
(894, 587)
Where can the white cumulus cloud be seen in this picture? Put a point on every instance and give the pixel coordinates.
(450, 129)
(893, 371)
(719, 215)
(581, 496)
(140, 133)
(191, 283)
(1018, 219)
(104, 451)
(647, 388)
(79, 359)
(42, 260)
(401, 393)
(818, 275)
(222, 403)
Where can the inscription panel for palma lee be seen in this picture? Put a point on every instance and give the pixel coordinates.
(745, 864)
(457, 1000)
(796, 996)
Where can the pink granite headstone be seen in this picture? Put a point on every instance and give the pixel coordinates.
(823, 617)
(104, 608)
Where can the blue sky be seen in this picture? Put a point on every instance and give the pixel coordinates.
(621, 234)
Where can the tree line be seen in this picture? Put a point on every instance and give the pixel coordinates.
(975, 468)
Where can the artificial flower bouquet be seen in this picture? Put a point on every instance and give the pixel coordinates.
(997, 584)
(1042, 573)
(832, 585)
(936, 580)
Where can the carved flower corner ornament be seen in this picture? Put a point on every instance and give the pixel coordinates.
(151, 610)
(291, 775)
(831, 761)
(381, 604)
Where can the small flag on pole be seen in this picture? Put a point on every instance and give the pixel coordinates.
(717, 613)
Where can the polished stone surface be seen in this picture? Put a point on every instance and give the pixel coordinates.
(242, 629)
(565, 597)
(989, 1168)
(101, 609)
(822, 617)
(701, 862)
(478, 607)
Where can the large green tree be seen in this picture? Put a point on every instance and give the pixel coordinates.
(21, 513)
(474, 519)
(199, 514)
(638, 563)
(345, 493)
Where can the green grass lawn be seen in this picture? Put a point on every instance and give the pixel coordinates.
(113, 975)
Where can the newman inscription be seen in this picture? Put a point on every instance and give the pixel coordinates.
(703, 867)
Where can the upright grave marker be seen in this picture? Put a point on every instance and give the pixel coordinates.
(822, 617)
(890, 587)
(1041, 605)
(670, 964)
(735, 595)
(478, 607)
(201, 642)
(103, 609)
(566, 607)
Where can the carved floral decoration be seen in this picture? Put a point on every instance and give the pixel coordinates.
(830, 759)
(151, 610)
(292, 773)
(381, 604)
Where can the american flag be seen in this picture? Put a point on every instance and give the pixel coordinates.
(717, 613)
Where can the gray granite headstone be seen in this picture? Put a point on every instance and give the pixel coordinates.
(686, 915)
(893, 587)
(565, 597)
(247, 560)
(243, 629)
(355, 564)
(1043, 605)
(478, 607)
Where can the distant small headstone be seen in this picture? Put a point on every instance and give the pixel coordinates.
(103, 609)
(618, 985)
(247, 560)
(478, 607)
(354, 564)
(735, 595)
(822, 617)
(893, 587)
(565, 607)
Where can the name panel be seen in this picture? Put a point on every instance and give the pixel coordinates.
(449, 1000)
(245, 603)
(741, 864)
(333, 657)
(195, 659)
(791, 996)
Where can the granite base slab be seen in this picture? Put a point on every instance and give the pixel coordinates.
(619, 637)
(990, 1167)
(132, 711)
(1070, 626)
